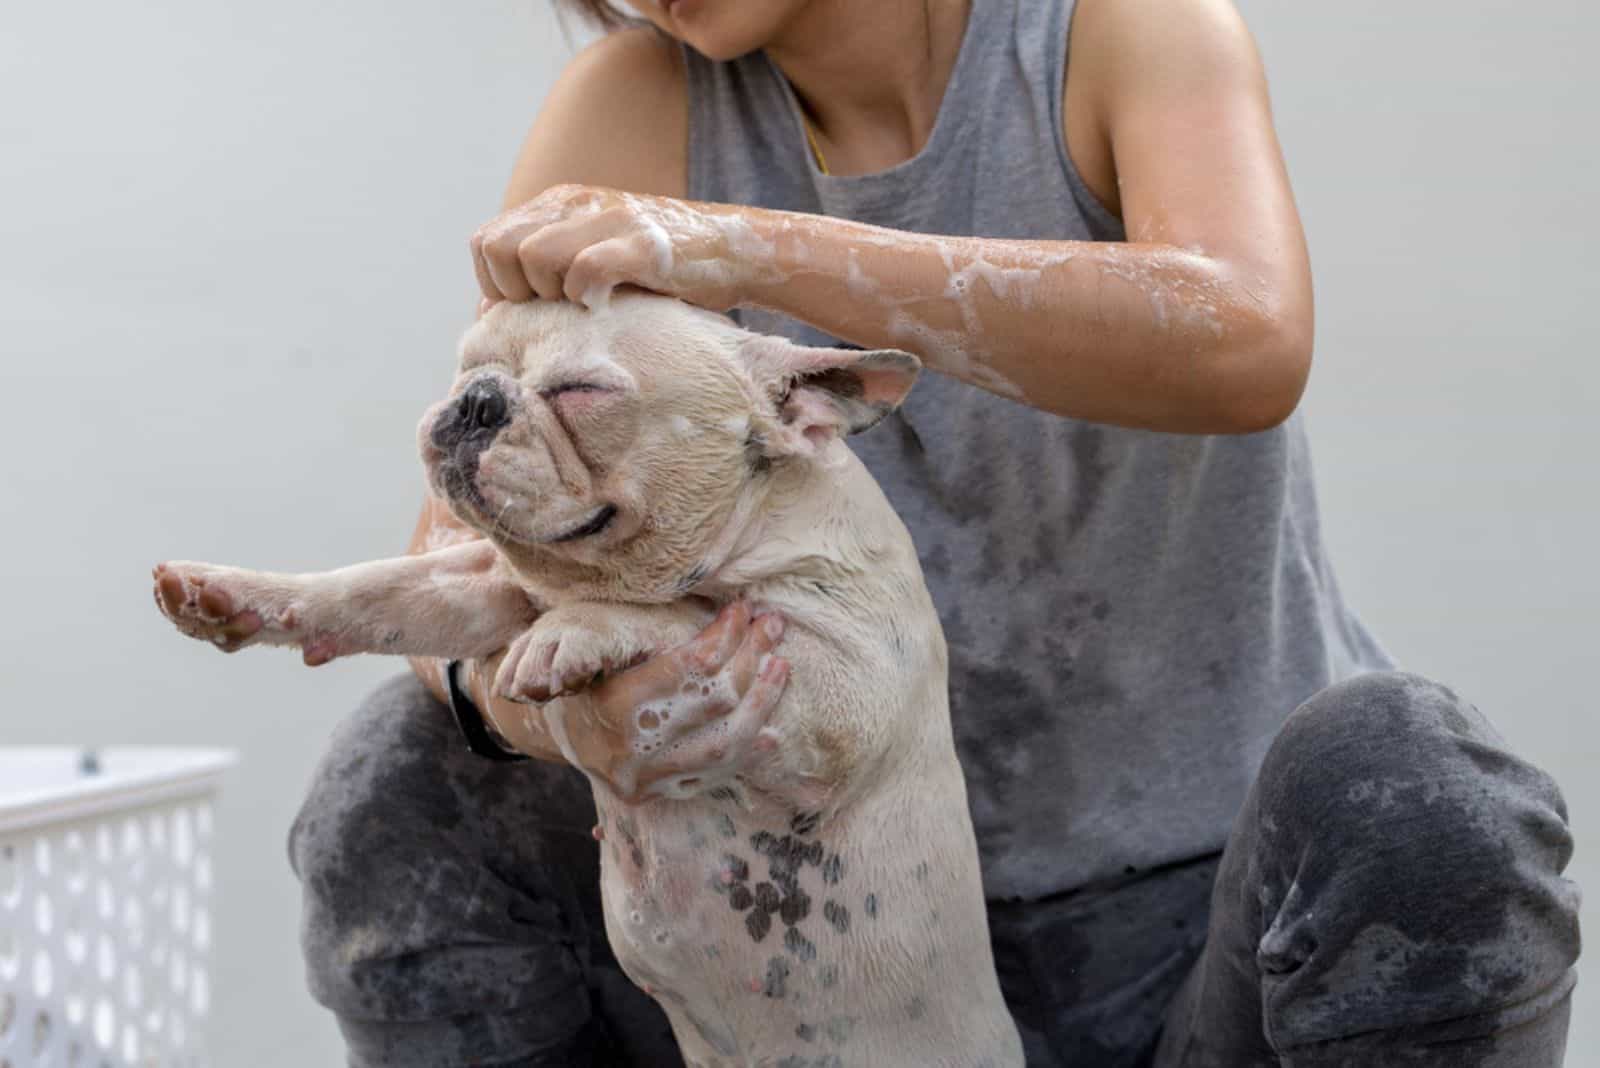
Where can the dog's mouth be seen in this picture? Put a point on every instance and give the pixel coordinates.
(462, 488)
(589, 527)
(459, 486)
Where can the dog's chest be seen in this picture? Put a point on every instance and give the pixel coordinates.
(752, 930)
(704, 880)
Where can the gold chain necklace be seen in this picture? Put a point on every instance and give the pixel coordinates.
(811, 139)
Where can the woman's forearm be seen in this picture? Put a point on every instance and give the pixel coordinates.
(1144, 335)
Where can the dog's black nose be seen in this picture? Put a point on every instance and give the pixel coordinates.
(481, 409)
(483, 406)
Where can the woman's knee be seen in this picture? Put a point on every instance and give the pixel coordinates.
(1398, 836)
(1396, 742)
(398, 777)
(1390, 783)
(434, 880)
(1395, 795)
(376, 760)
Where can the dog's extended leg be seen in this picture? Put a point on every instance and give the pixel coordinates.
(453, 602)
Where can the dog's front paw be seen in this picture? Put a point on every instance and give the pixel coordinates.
(559, 655)
(205, 602)
(232, 608)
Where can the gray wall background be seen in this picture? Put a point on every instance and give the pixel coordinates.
(232, 269)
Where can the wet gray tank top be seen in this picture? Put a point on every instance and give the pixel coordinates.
(1130, 615)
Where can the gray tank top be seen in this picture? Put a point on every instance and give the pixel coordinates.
(1131, 615)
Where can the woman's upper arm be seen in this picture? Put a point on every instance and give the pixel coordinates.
(1168, 100)
(618, 116)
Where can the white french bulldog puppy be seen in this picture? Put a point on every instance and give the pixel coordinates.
(816, 901)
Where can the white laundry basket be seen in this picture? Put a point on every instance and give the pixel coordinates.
(105, 905)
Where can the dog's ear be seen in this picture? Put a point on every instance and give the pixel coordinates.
(824, 393)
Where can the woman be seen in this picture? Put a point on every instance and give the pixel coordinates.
(1092, 241)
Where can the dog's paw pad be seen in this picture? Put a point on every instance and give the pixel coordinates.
(201, 602)
(319, 650)
(216, 606)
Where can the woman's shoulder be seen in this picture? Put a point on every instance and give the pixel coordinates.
(616, 116)
(638, 52)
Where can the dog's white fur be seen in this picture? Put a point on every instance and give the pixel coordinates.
(721, 453)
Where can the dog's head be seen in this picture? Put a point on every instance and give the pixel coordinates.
(622, 439)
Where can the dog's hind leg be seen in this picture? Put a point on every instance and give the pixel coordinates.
(455, 602)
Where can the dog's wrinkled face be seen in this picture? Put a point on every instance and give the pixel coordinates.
(628, 434)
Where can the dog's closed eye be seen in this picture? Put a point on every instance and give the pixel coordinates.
(578, 398)
(571, 387)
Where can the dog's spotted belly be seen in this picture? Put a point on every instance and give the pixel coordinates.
(763, 938)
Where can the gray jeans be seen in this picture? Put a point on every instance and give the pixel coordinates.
(1391, 894)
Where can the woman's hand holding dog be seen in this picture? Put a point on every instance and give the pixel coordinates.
(721, 687)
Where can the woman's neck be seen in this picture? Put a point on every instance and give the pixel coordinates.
(871, 75)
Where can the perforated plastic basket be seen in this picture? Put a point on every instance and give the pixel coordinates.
(105, 906)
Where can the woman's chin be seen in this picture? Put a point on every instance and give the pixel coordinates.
(721, 30)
